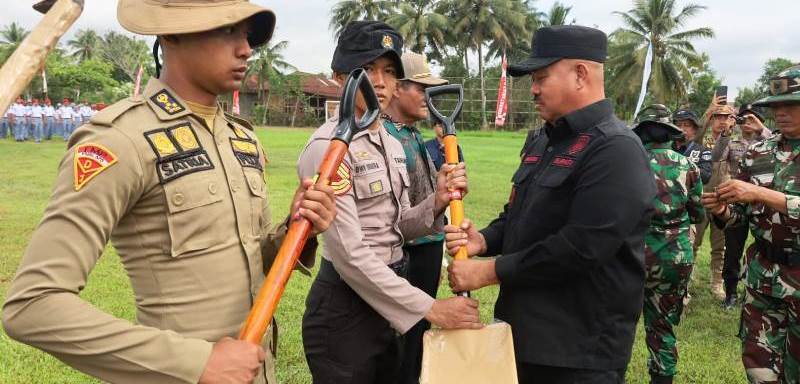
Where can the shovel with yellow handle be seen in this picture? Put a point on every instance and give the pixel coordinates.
(463, 356)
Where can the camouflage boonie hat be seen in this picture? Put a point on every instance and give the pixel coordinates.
(656, 115)
(784, 88)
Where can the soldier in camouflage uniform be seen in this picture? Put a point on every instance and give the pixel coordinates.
(730, 148)
(668, 250)
(766, 195)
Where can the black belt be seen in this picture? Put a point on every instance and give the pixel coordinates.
(328, 273)
(777, 255)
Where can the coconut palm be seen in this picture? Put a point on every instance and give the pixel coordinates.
(521, 43)
(420, 25)
(346, 11)
(655, 24)
(268, 63)
(558, 15)
(85, 45)
(10, 38)
(481, 22)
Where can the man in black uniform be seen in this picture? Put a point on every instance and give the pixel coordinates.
(572, 270)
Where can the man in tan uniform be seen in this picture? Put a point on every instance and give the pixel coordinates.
(407, 108)
(720, 118)
(178, 187)
(360, 300)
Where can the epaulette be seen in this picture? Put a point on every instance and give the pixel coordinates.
(243, 122)
(112, 112)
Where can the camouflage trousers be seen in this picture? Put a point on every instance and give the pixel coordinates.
(770, 326)
(665, 287)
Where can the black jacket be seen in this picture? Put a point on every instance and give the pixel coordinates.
(699, 156)
(572, 242)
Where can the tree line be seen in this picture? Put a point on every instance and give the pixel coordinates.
(465, 38)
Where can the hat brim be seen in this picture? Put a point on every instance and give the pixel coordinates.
(672, 128)
(148, 18)
(428, 80)
(531, 65)
(793, 98)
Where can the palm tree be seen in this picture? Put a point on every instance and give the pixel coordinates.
(521, 45)
(268, 64)
(346, 11)
(420, 25)
(558, 15)
(126, 53)
(485, 21)
(655, 25)
(85, 45)
(10, 38)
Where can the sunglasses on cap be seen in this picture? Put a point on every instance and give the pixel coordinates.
(783, 85)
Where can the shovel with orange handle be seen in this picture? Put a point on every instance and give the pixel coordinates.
(274, 284)
(450, 149)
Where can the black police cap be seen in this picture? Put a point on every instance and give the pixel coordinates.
(686, 114)
(551, 44)
(751, 109)
(362, 42)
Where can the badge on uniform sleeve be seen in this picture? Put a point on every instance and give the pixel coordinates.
(340, 182)
(90, 160)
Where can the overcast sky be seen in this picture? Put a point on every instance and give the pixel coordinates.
(748, 32)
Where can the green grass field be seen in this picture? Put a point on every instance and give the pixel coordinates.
(708, 346)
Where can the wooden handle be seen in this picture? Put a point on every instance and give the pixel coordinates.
(456, 204)
(275, 283)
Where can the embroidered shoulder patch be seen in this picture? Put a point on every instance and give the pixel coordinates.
(246, 152)
(579, 145)
(340, 182)
(167, 102)
(179, 152)
(90, 160)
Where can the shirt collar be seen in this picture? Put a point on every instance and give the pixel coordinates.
(579, 121)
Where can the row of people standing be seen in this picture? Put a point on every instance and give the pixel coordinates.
(748, 182)
(30, 119)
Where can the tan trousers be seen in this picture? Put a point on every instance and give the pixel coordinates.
(717, 252)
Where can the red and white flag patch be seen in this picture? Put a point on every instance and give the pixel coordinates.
(90, 160)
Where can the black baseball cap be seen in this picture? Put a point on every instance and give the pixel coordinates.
(751, 109)
(686, 114)
(551, 44)
(364, 41)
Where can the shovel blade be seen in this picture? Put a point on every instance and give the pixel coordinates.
(469, 356)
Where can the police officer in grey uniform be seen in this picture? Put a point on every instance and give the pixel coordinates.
(360, 301)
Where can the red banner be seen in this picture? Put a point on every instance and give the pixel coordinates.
(235, 109)
(137, 87)
(502, 98)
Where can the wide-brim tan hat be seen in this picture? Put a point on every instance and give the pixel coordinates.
(417, 70)
(174, 17)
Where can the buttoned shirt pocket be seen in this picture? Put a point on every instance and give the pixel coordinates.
(258, 195)
(193, 204)
(553, 176)
(373, 202)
